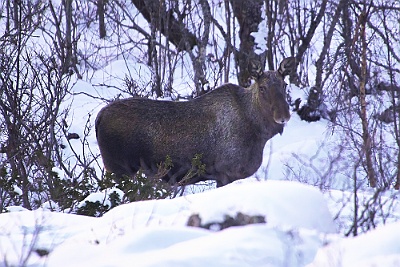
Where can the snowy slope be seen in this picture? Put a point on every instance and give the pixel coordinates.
(154, 233)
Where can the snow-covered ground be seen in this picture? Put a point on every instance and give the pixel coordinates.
(298, 231)
(153, 233)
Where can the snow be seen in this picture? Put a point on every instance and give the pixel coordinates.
(102, 196)
(252, 245)
(379, 247)
(17, 190)
(154, 233)
(299, 231)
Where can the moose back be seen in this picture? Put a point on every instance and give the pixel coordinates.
(227, 128)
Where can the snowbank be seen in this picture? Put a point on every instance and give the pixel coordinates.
(379, 247)
(154, 233)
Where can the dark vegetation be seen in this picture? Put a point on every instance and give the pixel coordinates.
(239, 219)
(348, 62)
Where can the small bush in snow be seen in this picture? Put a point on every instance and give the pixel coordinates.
(239, 220)
(138, 188)
(94, 209)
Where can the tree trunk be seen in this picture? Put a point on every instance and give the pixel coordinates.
(68, 35)
(175, 30)
(248, 14)
(100, 13)
(364, 120)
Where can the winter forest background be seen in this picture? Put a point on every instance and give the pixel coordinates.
(348, 57)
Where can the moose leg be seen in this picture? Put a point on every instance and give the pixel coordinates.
(222, 180)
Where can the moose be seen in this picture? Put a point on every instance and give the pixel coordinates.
(228, 127)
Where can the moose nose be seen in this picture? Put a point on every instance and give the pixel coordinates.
(282, 120)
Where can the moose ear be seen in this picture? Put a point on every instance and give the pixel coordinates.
(287, 66)
(255, 69)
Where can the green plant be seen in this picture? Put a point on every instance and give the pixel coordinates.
(94, 209)
(142, 187)
(198, 168)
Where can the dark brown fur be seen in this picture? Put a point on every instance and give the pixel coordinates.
(228, 127)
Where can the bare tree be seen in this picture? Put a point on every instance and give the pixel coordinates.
(33, 86)
(100, 13)
(163, 19)
(248, 14)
